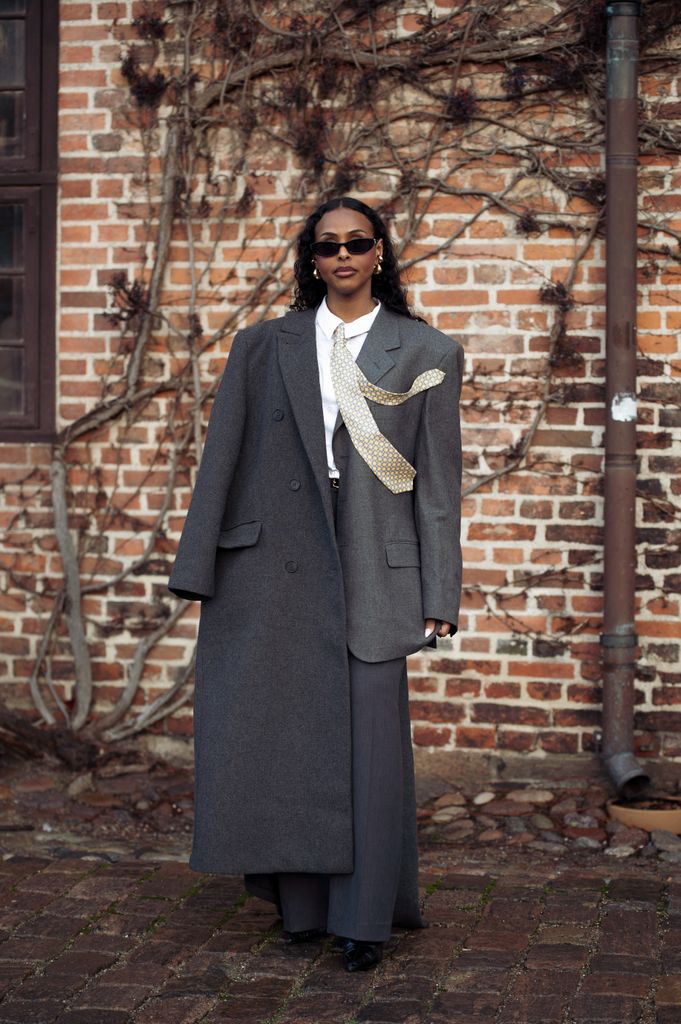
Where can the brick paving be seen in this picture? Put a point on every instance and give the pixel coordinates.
(102, 922)
(87, 941)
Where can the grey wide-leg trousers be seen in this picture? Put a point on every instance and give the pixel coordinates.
(360, 905)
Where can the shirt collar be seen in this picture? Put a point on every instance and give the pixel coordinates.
(328, 321)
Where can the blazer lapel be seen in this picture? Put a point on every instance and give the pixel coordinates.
(374, 357)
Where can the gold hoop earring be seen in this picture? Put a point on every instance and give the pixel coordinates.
(315, 272)
(379, 265)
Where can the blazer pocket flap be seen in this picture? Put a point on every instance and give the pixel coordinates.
(240, 536)
(403, 552)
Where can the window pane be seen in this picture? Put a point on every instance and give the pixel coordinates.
(12, 236)
(11, 381)
(12, 6)
(11, 309)
(11, 124)
(12, 53)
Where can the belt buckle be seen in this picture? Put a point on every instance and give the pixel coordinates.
(334, 482)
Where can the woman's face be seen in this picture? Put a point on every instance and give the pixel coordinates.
(346, 275)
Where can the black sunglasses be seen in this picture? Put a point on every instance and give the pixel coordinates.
(356, 247)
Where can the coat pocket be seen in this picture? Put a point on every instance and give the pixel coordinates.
(403, 553)
(241, 536)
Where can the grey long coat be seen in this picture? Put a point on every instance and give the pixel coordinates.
(284, 595)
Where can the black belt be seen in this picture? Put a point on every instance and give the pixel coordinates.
(333, 480)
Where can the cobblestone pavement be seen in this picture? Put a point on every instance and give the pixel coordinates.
(94, 932)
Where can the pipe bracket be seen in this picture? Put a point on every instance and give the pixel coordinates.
(619, 640)
(623, 8)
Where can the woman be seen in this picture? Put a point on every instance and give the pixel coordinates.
(322, 538)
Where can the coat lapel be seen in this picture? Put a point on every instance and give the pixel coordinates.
(298, 361)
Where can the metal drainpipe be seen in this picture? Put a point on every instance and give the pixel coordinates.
(619, 640)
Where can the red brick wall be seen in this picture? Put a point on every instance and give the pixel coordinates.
(523, 672)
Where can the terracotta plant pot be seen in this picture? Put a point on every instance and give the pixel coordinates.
(656, 812)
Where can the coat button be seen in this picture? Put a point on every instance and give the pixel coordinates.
(294, 485)
(278, 414)
(291, 567)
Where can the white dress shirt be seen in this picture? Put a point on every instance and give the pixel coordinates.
(326, 323)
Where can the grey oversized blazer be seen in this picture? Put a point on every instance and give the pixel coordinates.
(284, 595)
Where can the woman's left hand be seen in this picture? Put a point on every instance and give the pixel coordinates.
(442, 631)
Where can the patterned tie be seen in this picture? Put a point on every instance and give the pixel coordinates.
(352, 389)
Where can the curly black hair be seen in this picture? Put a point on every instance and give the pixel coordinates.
(386, 286)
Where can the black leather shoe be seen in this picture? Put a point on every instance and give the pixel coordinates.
(360, 956)
(308, 935)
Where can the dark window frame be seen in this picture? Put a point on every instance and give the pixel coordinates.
(33, 179)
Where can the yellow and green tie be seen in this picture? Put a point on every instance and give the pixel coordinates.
(352, 389)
